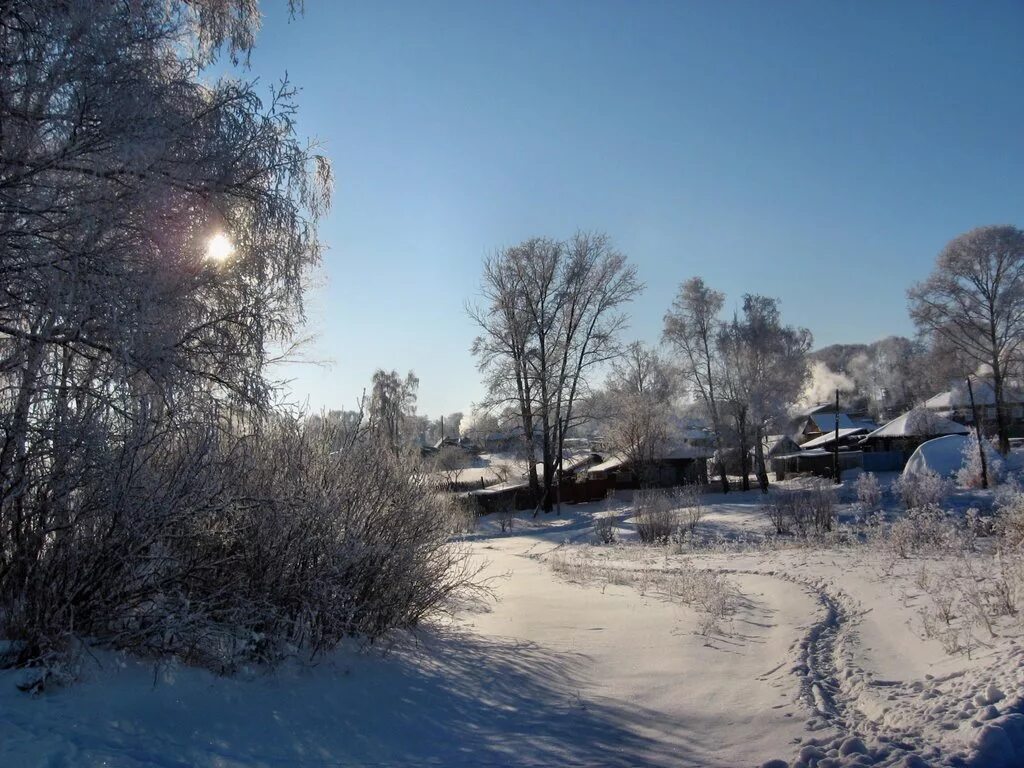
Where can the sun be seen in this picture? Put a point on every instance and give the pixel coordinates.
(219, 248)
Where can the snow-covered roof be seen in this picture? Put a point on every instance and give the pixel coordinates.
(826, 422)
(678, 452)
(867, 424)
(609, 464)
(958, 398)
(919, 423)
(491, 490)
(818, 452)
(829, 437)
(774, 444)
(810, 410)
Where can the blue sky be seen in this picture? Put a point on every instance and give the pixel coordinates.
(819, 152)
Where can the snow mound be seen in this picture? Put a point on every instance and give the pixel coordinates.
(944, 456)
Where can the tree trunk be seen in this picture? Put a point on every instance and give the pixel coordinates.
(720, 453)
(1002, 428)
(741, 428)
(762, 472)
(547, 497)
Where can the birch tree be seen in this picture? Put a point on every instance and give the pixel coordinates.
(973, 302)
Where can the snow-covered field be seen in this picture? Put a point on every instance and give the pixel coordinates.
(620, 655)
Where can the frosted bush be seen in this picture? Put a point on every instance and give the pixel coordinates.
(969, 475)
(223, 553)
(687, 500)
(803, 511)
(1010, 519)
(655, 517)
(923, 529)
(922, 489)
(506, 514)
(604, 528)
(869, 492)
(463, 510)
(709, 592)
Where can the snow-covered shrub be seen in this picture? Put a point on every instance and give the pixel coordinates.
(804, 511)
(222, 552)
(969, 475)
(690, 508)
(1010, 519)
(869, 492)
(1007, 583)
(604, 528)
(654, 516)
(922, 489)
(464, 512)
(923, 529)
(506, 514)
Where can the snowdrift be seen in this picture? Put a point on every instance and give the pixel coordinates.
(944, 456)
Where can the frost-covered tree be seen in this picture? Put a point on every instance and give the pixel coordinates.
(639, 392)
(551, 316)
(767, 368)
(869, 493)
(692, 328)
(972, 474)
(157, 231)
(974, 302)
(392, 405)
(450, 462)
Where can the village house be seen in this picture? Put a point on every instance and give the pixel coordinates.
(955, 404)
(889, 447)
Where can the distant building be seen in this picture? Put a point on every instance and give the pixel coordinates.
(822, 419)
(779, 445)
(818, 424)
(677, 465)
(955, 404)
(848, 437)
(889, 447)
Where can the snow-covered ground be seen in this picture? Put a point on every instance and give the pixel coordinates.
(589, 655)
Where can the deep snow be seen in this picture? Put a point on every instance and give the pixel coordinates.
(821, 662)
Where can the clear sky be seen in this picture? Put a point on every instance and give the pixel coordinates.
(820, 152)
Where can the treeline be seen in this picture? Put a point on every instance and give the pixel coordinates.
(553, 312)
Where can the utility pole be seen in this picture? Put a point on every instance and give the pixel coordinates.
(835, 450)
(977, 433)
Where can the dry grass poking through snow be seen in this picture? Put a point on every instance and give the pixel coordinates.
(708, 592)
(972, 585)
